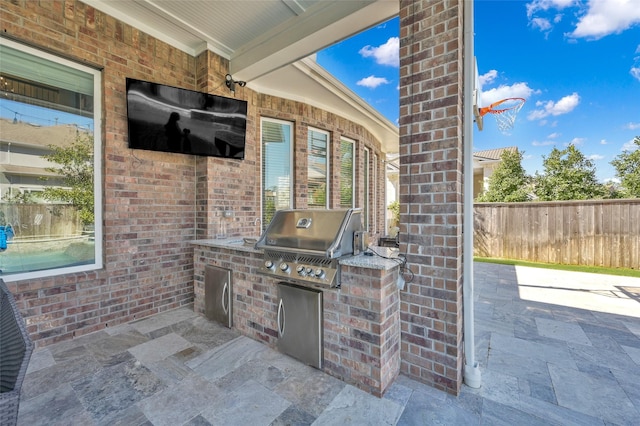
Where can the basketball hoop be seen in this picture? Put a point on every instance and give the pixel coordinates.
(504, 111)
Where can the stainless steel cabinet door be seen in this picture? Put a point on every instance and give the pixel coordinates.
(218, 295)
(300, 323)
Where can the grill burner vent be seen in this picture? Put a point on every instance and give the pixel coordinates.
(292, 257)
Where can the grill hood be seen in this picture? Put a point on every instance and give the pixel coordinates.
(326, 233)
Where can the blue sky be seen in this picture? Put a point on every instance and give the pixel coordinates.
(577, 64)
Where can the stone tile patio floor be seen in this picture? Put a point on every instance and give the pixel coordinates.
(554, 348)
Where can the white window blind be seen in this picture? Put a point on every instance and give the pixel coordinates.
(366, 208)
(374, 191)
(347, 173)
(317, 169)
(277, 169)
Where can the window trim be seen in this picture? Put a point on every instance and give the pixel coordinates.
(97, 162)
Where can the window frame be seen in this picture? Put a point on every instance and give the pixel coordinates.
(291, 125)
(327, 194)
(97, 164)
(374, 192)
(353, 172)
(366, 177)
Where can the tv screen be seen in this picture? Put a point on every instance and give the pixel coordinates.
(169, 119)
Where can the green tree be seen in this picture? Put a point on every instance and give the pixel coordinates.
(568, 175)
(19, 197)
(75, 166)
(627, 167)
(509, 182)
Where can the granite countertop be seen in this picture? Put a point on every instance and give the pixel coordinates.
(384, 258)
(233, 243)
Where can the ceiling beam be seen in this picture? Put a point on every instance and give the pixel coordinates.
(318, 27)
(294, 6)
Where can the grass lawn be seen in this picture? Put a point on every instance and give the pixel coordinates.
(577, 268)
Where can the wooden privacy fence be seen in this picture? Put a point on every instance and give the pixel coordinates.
(32, 221)
(591, 233)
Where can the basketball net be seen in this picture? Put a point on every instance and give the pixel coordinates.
(505, 112)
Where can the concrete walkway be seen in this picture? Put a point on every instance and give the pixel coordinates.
(554, 348)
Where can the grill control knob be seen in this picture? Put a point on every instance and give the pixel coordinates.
(319, 273)
(268, 264)
(284, 267)
(301, 270)
(309, 271)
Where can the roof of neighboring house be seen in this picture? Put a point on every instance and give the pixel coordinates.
(37, 139)
(33, 135)
(493, 154)
(11, 169)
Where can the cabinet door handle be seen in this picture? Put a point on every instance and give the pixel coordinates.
(225, 306)
(281, 318)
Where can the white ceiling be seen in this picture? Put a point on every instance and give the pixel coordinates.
(266, 42)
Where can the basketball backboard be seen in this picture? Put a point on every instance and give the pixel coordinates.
(477, 97)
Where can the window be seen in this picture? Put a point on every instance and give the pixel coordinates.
(347, 173)
(374, 223)
(277, 169)
(50, 193)
(317, 169)
(366, 208)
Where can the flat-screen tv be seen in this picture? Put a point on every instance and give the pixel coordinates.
(170, 119)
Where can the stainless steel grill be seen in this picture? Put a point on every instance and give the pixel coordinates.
(306, 245)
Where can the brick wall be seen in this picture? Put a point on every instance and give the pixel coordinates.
(148, 197)
(154, 203)
(431, 42)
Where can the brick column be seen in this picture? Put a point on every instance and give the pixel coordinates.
(361, 328)
(204, 210)
(431, 154)
(221, 183)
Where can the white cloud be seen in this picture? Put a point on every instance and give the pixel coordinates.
(603, 142)
(537, 7)
(597, 18)
(517, 90)
(629, 146)
(372, 82)
(563, 106)
(635, 72)
(595, 157)
(606, 17)
(576, 142)
(544, 5)
(385, 54)
(553, 135)
(632, 126)
(543, 143)
(487, 78)
(541, 23)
